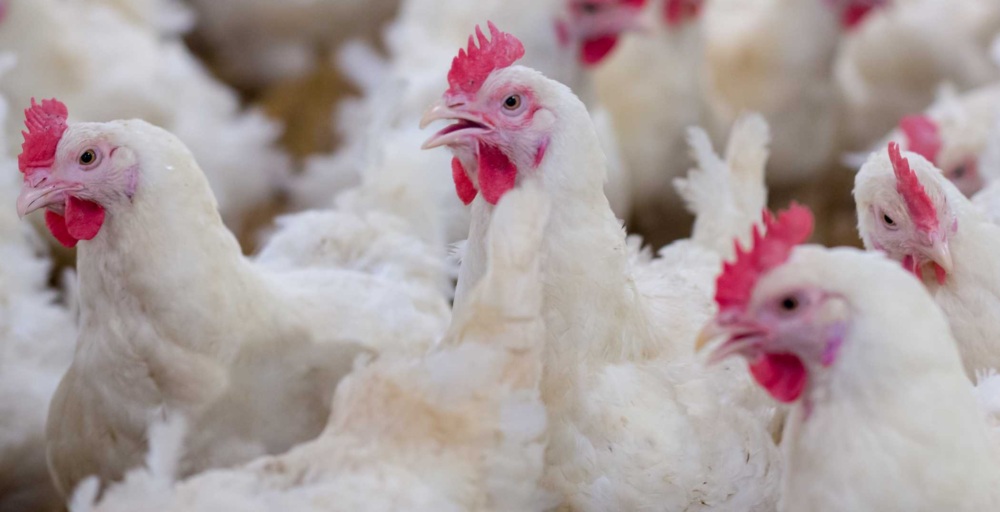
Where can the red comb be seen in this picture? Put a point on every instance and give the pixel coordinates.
(922, 136)
(46, 122)
(679, 11)
(471, 68)
(768, 250)
(918, 203)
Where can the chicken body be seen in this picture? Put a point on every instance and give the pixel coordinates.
(892, 64)
(175, 319)
(629, 429)
(459, 429)
(776, 57)
(106, 67)
(954, 259)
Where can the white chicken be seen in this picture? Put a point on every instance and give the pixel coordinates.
(892, 64)
(259, 42)
(37, 334)
(883, 417)
(564, 36)
(106, 67)
(174, 319)
(631, 425)
(775, 57)
(662, 67)
(953, 134)
(909, 210)
(459, 429)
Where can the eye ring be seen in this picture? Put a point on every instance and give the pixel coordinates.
(90, 157)
(887, 220)
(512, 102)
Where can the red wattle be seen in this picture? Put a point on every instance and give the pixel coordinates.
(83, 218)
(497, 173)
(854, 14)
(940, 274)
(595, 50)
(782, 375)
(83, 221)
(679, 11)
(57, 226)
(463, 185)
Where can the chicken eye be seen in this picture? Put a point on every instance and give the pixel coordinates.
(589, 7)
(512, 102)
(958, 172)
(789, 303)
(88, 157)
(888, 220)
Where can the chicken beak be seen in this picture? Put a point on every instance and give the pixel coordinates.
(940, 253)
(48, 194)
(741, 338)
(467, 124)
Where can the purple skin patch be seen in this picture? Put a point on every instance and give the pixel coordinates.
(834, 339)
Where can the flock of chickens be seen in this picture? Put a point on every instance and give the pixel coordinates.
(454, 318)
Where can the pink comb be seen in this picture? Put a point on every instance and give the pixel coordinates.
(46, 123)
(471, 68)
(768, 250)
(918, 203)
(922, 136)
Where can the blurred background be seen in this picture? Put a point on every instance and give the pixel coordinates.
(281, 99)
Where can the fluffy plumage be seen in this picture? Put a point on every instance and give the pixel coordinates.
(461, 428)
(629, 429)
(248, 351)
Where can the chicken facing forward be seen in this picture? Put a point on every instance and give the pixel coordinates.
(626, 398)
(883, 418)
(909, 210)
(175, 319)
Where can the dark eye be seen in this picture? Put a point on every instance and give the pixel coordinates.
(512, 102)
(958, 172)
(789, 303)
(88, 157)
(888, 220)
(589, 7)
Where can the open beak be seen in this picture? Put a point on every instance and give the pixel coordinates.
(48, 193)
(467, 124)
(741, 338)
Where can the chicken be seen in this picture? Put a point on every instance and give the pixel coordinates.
(461, 428)
(37, 332)
(259, 42)
(660, 67)
(565, 36)
(174, 319)
(883, 418)
(775, 57)
(953, 134)
(909, 210)
(630, 424)
(106, 67)
(892, 64)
